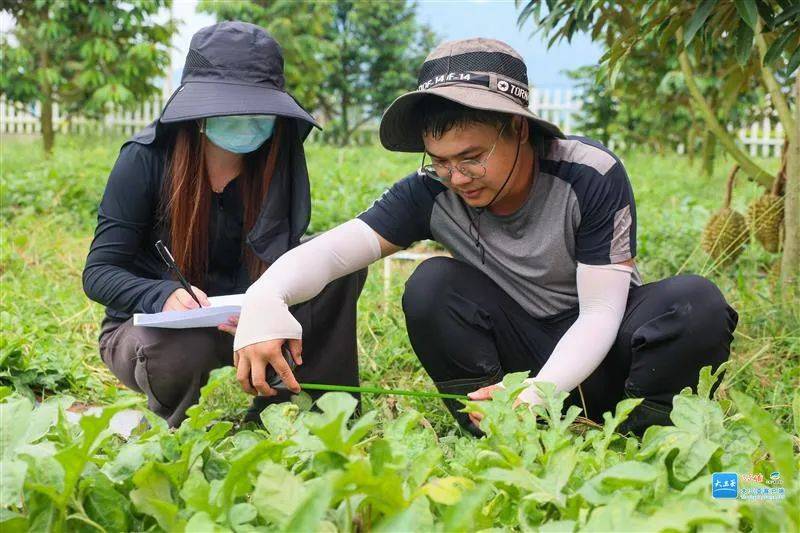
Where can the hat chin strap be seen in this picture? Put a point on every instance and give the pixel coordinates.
(510, 173)
(476, 222)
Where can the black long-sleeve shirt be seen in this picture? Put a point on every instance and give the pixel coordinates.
(123, 270)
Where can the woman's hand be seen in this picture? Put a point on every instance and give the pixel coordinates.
(251, 365)
(230, 325)
(181, 300)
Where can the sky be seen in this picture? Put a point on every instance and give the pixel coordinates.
(450, 20)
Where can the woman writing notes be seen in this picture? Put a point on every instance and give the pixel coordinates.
(220, 177)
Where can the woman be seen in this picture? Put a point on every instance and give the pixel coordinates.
(221, 178)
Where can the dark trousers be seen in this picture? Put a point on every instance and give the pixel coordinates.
(468, 333)
(171, 365)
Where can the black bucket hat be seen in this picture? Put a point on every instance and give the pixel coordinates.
(479, 73)
(233, 68)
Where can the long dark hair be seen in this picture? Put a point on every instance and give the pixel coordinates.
(188, 198)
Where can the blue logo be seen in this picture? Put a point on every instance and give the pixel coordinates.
(775, 476)
(724, 485)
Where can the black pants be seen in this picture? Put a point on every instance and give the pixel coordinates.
(171, 365)
(467, 333)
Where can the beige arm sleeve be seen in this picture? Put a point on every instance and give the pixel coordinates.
(299, 275)
(602, 297)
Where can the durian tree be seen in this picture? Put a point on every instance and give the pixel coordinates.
(83, 56)
(765, 38)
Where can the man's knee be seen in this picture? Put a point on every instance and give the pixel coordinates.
(426, 288)
(710, 314)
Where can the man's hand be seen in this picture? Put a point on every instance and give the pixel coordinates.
(251, 365)
(230, 325)
(529, 397)
(484, 393)
(181, 300)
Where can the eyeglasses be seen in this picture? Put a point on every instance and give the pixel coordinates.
(471, 168)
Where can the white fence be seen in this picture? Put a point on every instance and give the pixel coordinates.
(16, 118)
(555, 105)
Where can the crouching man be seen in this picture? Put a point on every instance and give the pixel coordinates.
(542, 230)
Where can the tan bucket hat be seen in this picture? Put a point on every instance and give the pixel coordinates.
(479, 73)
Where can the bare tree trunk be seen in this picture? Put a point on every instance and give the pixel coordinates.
(46, 121)
(709, 154)
(790, 264)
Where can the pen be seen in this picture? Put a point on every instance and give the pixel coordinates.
(170, 261)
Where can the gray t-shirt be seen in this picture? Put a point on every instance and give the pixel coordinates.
(580, 208)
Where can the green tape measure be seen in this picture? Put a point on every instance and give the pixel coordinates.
(274, 381)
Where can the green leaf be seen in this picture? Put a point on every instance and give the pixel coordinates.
(11, 522)
(707, 380)
(465, 515)
(697, 435)
(303, 401)
(311, 510)
(623, 409)
(203, 522)
(447, 490)
(619, 482)
(748, 12)
(786, 14)
(12, 478)
(698, 19)
(195, 493)
(242, 513)
(104, 505)
(237, 481)
(557, 526)
(777, 46)
(380, 454)
(617, 515)
(416, 517)
(14, 417)
(277, 493)
(794, 62)
(778, 442)
(330, 426)
(129, 459)
(153, 496)
(337, 404)
(691, 514)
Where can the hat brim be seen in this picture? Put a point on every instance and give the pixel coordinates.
(193, 100)
(400, 128)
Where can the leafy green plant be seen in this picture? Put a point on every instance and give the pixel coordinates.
(325, 470)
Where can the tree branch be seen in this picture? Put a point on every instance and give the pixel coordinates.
(749, 166)
(358, 125)
(778, 100)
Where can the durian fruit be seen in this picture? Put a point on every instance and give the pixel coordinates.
(765, 213)
(765, 216)
(726, 232)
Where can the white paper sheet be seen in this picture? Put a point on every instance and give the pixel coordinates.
(206, 317)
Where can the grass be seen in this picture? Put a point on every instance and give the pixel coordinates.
(48, 208)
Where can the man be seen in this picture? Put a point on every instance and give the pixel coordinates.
(542, 230)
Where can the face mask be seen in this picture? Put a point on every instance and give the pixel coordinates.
(240, 134)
